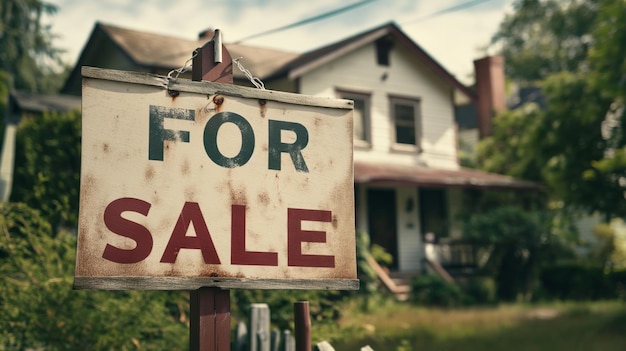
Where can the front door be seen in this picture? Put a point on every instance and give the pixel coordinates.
(381, 205)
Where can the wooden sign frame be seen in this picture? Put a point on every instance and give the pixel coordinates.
(316, 239)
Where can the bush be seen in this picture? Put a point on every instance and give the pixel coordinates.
(430, 290)
(480, 290)
(39, 310)
(618, 279)
(576, 281)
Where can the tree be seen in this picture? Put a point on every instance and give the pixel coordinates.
(576, 145)
(519, 244)
(27, 51)
(542, 37)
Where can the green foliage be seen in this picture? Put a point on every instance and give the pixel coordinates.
(27, 51)
(520, 242)
(366, 273)
(431, 290)
(542, 37)
(480, 290)
(507, 150)
(381, 255)
(47, 166)
(589, 326)
(575, 50)
(580, 281)
(607, 57)
(39, 309)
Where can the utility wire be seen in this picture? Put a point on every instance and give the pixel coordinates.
(307, 20)
(454, 8)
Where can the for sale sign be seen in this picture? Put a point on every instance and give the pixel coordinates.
(189, 184)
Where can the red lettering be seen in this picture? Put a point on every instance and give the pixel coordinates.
(179, 239)
(295, 237)
(238, 252)
(117, 224)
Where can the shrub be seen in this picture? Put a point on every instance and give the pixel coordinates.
(480, 290)
(430, 290)
(575, 281)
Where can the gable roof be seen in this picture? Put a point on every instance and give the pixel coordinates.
(155, 50)
(162, 52)
(316, 58)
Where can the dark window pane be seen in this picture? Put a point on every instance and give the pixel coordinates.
(404, 117)
(405, 135)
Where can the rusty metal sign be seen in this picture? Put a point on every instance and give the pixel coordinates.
(189, 184)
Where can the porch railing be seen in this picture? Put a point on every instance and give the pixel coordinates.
(454, 255)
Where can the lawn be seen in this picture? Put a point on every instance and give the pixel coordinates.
(554, 327)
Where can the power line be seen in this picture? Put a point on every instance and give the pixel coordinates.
(454, 8)
(307, 20)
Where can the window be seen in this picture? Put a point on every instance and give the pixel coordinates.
(361, 116)
(383, 51)
(406, 121)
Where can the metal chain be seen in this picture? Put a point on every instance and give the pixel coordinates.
(254, 80)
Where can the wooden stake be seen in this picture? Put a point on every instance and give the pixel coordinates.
(209, 324)
(302, 321)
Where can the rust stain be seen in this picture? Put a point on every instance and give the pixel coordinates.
(185, 168)
(218, 273)
(263, 107)
(190, 193)
(218, 100)
(173, 94)
(149, 174)
(263, 198)
(237, 194)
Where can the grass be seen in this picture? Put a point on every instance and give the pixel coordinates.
(554, 327)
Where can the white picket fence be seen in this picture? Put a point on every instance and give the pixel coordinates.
(259, 337)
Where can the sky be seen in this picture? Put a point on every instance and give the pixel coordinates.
(453, 32)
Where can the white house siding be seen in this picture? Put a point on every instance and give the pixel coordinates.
(410, 250)
(405, 77)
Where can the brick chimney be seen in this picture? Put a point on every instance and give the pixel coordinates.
(491, 92)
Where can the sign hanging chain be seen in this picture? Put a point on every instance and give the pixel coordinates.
(254, 80)
(186, 67)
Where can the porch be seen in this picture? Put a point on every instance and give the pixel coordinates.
(451, 260)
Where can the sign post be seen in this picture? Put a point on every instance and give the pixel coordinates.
(209, 308)
(206, 186)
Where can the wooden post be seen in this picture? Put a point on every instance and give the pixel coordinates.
(259, 327)
(302, 321)
(209, 323)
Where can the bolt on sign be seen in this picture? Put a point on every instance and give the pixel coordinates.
(193, 184)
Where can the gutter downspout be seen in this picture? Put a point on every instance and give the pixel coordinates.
(7, 158)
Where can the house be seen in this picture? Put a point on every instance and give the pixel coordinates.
(408, 181)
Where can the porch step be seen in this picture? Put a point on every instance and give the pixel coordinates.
(397, 286)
